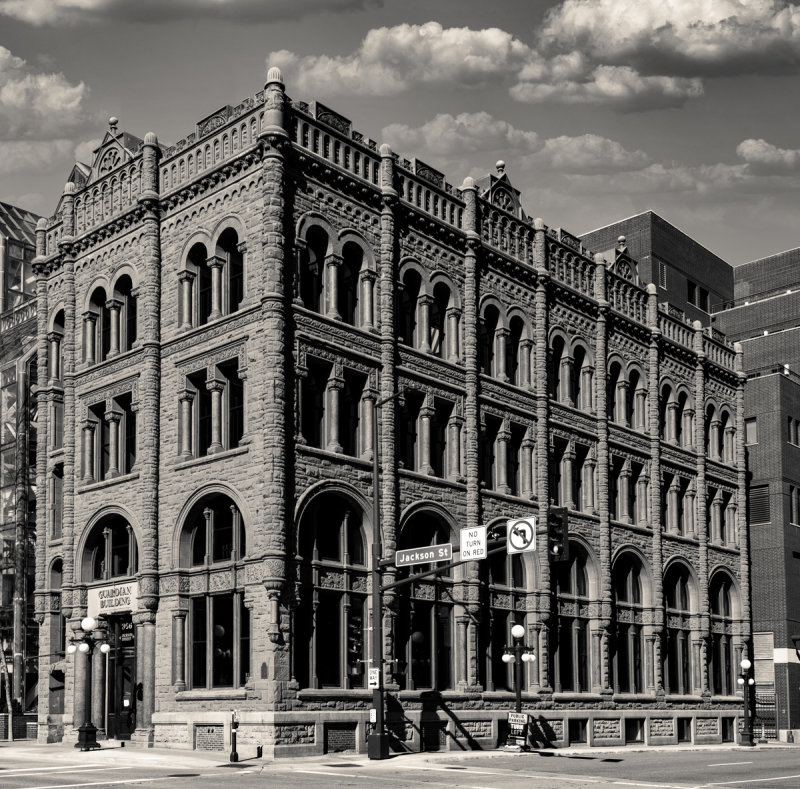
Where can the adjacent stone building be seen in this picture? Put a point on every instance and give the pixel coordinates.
(223, 321)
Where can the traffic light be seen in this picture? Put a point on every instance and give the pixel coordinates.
(558, 534)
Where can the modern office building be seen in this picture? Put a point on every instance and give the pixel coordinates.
(225, 323)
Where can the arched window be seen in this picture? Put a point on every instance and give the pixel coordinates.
(628, 636)
(712, 433)
(438, 321)
(570, 634)
(683, 432)
(425, 617)
(727, 434)
(636, 396)
(581, 379)
(487, 340)
(615, 400)
(110, 551)
(514, 348)
(312, 268)
(407, 314)
(230, 259)
(557, 359)
(505, 579)
(349, 273)
(677, 657)
(58, 623)
(666, 404)
(217, 625)
(330, 622)
(123, 316)
(723, 667)
(97, 328)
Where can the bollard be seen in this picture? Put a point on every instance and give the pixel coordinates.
(234, 727)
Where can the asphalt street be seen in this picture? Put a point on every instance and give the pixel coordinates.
(33, 766)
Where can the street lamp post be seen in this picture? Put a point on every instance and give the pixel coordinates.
(519, 653)
(746, 682)
(87, 733)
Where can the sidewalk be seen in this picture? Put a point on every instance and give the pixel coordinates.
(187, 759)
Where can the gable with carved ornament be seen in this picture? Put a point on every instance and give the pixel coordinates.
(341, 212)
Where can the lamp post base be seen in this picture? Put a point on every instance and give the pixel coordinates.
(378, 746)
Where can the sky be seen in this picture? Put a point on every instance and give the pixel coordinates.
(601, 109)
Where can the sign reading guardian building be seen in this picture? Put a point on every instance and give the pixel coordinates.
(114, 599)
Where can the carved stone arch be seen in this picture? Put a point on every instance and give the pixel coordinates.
(638, 368)
(736, 591)
(529, 558)
(558, 332)
(221, 488)
(442, 277)
(516, 312)
(342, 489)
(100, 281)
(314, 219)
(50, 569)
(426, 506)
(623, 551)
(694, 582)
(492, 301)
(668, 381)
(198, 237)
(615, 358)
(592, 564)
(412, 264)
(51, 318)
(122, 270)
(350, 236)
(712, 404)
(100, 514)
(228, 222)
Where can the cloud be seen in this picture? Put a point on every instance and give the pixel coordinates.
(698, 37)
(765, 158)
(449, 137)
(84, 152)
(58, 12)
(32, 201)
(394, 59)
(33, 155)
(34, 104)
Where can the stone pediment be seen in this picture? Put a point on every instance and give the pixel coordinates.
(116, 149)
(499, 191)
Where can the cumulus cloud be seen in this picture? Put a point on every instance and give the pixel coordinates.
(683, 36)
(765, 158)
(34, 104)
(447, 137)
(84, 151)
(33, 155)
(58, 12)
(394, 59)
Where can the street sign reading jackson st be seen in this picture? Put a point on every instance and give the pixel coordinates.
(433, 553)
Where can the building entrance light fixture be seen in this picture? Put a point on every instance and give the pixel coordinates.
(85, 644)
(746, 682)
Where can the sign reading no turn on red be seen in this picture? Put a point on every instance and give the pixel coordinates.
(473, 543)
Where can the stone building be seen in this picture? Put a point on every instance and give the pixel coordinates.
(225, 321)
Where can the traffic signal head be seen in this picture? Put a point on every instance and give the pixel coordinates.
(558, 534)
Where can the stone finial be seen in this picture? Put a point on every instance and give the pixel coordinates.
(538, 223)
(385, 150)
(652, 289)
(500, 166)
(599, 259)
(697, 325)
(150, 139)
(69, 188)
(112, 124)
(739, 348)
(469, 183)
(41, 225)
(621, 242)
(274, 75)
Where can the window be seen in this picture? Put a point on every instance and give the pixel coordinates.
(793, 432)
(489, 452)
(506, 589)
(212, 639)
(677, 656)
(109, 437)
(110, 551)
(425, 613)
(212, 411)
(407, 314)
(570, 634)
(662, 274)
(691, 292)
(314, 385)
(794, 505)
(628, 656)
(331, 619)
(759, 504)
(57, 500)
(703, 301)
(312, 269)
(723, 669)
(490, 343)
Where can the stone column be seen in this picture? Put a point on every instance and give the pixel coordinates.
(88, 452)
(640, 398)
(454, 447)
(564, 376)
(216, 386)
(500, 344)
(145, 671)
(186, 280)
(673, 523)
(98, 690)
(368, 290)
(621, 415)
(671, 426)
(524, 367)
(425, 415)
(90, 337)
(567, 470)
(80, 710)
(113, 417)
(624, 493)
(453, 354)
(589, 495)
(332, 264)
(587, 380)
(179, 633)
(713, 441)
(689, 512)
(501, 455)
(333, 393)
(216, 263)
(54, 340)
(424, 327)
(526, 467)
(186, 400)
(114, 307)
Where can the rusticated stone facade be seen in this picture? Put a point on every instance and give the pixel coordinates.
(229, 321)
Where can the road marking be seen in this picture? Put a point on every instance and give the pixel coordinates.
(727, 764)
(450, 770)
(321, 772)
(43, 769)
(115, 783)
(62, 770)
(751, 780)
(650, 786)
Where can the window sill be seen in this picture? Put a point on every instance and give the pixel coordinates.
(227, 453)
(567, 696)
(628, 698)
(310, 694)
(215, 694)
(106, 483)
(56, 452)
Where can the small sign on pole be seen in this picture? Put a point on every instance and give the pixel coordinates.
(521, 535)
(374, 678)
(431, 553)
(518, 729)
(473, 543)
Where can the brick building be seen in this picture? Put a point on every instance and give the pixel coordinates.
(763, 318)
(219, 321)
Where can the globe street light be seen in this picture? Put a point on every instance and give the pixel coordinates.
(746, 682)
(87, 733)
(518, 653)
